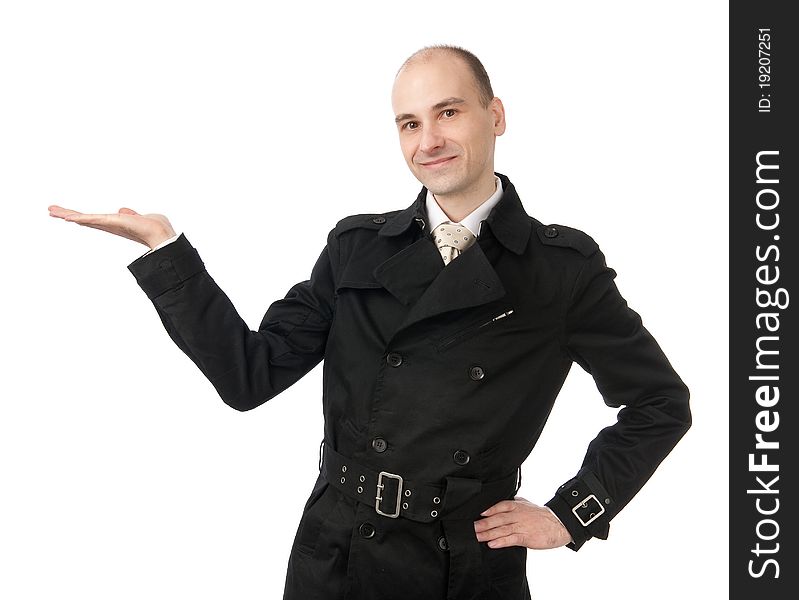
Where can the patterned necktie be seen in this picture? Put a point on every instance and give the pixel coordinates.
(452, 239)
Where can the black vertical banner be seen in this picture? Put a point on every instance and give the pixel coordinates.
(764, 267)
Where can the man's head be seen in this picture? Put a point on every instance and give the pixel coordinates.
(447, 119)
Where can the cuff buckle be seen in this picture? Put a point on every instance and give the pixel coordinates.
(583, 505)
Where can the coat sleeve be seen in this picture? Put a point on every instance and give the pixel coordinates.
(608, 340)
(246, 367)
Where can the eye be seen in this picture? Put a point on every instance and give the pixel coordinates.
(410, 125)
(450, 112)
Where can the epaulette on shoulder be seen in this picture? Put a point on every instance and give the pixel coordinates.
(369, 221)
(567, 237)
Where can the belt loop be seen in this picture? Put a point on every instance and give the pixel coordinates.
(467, 579)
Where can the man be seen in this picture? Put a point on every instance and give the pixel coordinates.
(447, 330)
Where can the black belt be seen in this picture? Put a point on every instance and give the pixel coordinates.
(457, 502)
(393, 495)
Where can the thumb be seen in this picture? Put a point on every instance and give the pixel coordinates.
(127, 211)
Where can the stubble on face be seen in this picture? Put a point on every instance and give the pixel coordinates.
(449, 176)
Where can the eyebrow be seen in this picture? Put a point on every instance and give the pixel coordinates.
(437, 106)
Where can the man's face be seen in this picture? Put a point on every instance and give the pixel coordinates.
(446, 136)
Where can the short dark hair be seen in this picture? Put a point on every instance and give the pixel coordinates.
(475, 66)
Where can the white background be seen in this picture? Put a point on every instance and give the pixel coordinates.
(122, 474)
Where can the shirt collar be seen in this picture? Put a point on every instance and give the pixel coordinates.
(508, 220)
(473, 221)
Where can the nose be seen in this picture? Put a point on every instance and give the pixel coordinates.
(431, 139)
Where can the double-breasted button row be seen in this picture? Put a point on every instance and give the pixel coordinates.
(367, 531)
(395, 359)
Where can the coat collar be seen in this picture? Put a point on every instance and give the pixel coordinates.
(508, 220)
(416, 276)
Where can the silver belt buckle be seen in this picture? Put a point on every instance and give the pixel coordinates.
(379, 497)
(584, 504)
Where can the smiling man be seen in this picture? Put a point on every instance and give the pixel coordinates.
(447, 330)
(448, 120)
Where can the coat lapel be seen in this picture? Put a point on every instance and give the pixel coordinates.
(467, 281)
(416, 275)
(409, 272)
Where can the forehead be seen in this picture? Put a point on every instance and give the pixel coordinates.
(425, 82)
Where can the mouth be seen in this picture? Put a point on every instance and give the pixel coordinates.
(438, 163)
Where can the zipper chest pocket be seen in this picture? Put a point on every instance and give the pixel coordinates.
(472, 330)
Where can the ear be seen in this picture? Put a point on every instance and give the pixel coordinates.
(498, 113)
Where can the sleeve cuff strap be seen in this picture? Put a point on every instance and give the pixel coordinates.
(582, 505)
(166, 267)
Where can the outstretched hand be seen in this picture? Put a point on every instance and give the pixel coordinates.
(519, 522)
(150, 230)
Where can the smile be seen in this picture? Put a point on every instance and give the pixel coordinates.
(438, 163)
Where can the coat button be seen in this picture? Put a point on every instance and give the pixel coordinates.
(379, 444)
(551, 232)
(394, 359)
(443, 544)
(461, 457)
(379, 220)
(476, 372)
(366, 530)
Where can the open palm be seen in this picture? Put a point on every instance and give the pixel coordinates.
(150, 229)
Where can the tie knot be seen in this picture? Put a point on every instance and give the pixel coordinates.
(453, 235)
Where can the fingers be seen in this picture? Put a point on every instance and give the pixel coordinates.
(498, 532)
(501, 529)
(110, 222)
(514, 539)
(492, 522)
(87, 219)
(118, 224)
(60, 211)
(120, 232)
(126, 223)
(504, 506)
(75, 216)
(520, 523)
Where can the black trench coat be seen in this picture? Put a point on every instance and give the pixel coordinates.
(491, 337)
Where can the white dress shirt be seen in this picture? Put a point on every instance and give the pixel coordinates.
(162, 244)
(473, 221)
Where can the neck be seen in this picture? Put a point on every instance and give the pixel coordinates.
(459, 205)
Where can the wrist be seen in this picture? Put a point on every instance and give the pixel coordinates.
(582, 504)
(162, 239)
(563, 527)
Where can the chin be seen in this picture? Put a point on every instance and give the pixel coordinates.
(440, 185)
